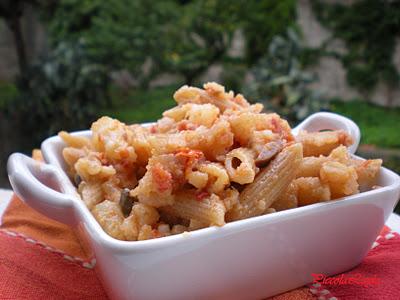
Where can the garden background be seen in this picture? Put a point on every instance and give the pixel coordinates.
(64, 63)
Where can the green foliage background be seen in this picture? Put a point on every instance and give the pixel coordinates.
(182, 37)
(63, 89)
(259, 29)
(281, 83)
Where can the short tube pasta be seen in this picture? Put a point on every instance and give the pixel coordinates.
(310, 166)
(91, 193)
(322, 143)
(197, 179)
(240, 165)
(74, 141)
(218, 178)
(311, 190)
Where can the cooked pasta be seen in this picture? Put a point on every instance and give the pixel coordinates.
(341, 179)
(288, 199)
(91, 193)
(367, 171)
(210, 211)
(240, 165)
(212, 159)
(110, 217)
(218, 178)
(311, 190)
(270, 183)
(322, 143)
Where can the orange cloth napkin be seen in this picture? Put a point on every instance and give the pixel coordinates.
(42, 259)
(21, 218)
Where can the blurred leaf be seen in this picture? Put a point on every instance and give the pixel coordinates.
(278, 75)
(281, 80)
(64, 91)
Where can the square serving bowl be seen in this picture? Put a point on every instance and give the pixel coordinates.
(249, 259)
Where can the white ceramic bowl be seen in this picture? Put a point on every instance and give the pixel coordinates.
(248, 259)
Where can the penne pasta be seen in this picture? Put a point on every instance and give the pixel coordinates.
(198, 179)
(213, 93)
(218, 178)
(195, 224)
(210, 210)
(288, 199)
(91, 168)
(268, 185)
(142, 215)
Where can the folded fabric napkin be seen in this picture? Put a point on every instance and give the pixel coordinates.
(42, 259)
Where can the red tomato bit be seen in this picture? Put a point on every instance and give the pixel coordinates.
(200, 196)
(162, 178)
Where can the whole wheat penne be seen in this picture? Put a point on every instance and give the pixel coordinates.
(269, 184)
(288, 199)
(210, 211)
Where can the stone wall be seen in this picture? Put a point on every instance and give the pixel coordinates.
(330, 71)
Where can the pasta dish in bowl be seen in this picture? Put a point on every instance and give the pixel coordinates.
(212, 159)
(217, 191)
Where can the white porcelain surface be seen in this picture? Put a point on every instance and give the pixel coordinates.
(248, 259)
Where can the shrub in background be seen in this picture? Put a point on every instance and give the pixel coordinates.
(281, 83)
(200, 36)
(63, 90)
(262, 20)
(180, 37)
(233, 74)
